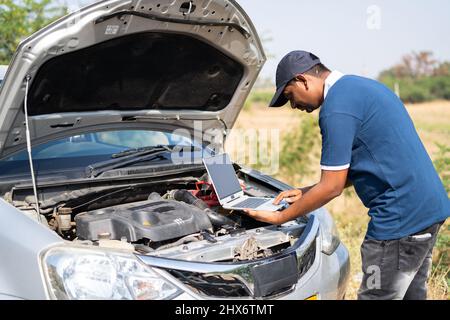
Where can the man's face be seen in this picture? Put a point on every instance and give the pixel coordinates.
(303, 92)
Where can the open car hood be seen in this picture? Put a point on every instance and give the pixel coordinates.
(132, 64)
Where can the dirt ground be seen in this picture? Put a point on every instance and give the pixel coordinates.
(432, 121)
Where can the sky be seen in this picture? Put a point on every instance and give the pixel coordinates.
(360, 37)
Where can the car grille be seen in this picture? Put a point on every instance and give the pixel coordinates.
(229, 286)
(213, 285)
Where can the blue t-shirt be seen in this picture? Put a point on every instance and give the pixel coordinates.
(364, 125)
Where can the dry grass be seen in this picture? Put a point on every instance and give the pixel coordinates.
(432, 121)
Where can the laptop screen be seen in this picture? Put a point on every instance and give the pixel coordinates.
(222, 175)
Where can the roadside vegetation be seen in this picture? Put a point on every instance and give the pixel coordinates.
(300, 150)
(419, 78)
(442, 164)
(19, 19)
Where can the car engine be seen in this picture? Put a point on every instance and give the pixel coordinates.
(155, 220)
(178, 219)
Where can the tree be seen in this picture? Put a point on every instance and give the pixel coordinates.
(420, 77)
(414, 65)
(443, 69)
(424, 63)
(21, 18)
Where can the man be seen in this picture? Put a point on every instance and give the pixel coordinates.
(368, 140)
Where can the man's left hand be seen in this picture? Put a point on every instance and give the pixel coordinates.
(272, 217)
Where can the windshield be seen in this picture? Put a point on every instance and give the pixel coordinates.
(80, 151)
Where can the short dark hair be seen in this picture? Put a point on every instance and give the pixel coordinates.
(317, 70)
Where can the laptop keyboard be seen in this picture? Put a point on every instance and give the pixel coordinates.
(250, 203)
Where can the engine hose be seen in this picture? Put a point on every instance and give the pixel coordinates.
(216, 219)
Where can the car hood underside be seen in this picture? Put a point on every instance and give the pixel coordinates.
(117, 63)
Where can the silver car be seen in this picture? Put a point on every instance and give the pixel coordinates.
(99, 113)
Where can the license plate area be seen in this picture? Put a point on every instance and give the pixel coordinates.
(273, 276)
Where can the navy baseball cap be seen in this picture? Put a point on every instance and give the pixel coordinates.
(290, 66)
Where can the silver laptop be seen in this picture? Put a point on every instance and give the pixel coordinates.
(228, 189)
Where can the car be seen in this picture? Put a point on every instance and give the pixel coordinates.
(105, 116)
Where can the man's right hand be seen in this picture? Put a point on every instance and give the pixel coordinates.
(289, 196)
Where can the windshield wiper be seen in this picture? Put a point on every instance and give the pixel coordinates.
(142, 150)
(132, 156)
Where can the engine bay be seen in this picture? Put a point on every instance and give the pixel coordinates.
(178, 218)
(157, 220)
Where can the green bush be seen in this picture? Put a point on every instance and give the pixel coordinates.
(258, 96)
(421, 89)
(442, 165)
(440, 87)
(415, 93)
(296, 154)
(262, 96)
(420, 77)
(19, 19)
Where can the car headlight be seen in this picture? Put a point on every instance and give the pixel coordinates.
(79, 273)
(330, 235)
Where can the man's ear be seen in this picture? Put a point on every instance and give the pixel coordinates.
(301, 79)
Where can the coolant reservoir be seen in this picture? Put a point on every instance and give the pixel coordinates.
(64, 218)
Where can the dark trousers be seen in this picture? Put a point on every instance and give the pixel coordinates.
(397, 269)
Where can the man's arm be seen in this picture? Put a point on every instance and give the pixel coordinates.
(304, 190)
(331, 185)
(338, 132)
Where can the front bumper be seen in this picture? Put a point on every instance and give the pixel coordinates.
(326, 277)
(328, 280)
